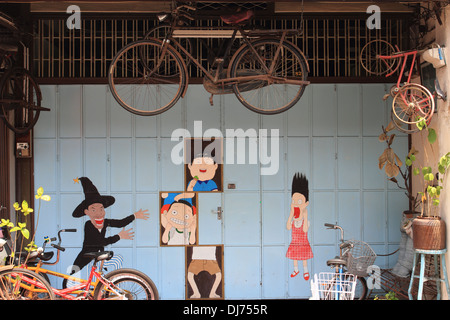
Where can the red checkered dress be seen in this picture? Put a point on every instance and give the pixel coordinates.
(299, 249)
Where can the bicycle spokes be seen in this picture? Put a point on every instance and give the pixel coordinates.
(413, 103)
(20, 100)
(272, 92)
(146, 80)
(370, 57)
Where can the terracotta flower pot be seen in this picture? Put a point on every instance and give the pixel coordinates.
(429, 233)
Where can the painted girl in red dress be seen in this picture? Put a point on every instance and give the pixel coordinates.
(299, 249)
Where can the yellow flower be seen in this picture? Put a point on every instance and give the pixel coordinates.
(40, 195)
(25, 209)
(16, 206)
(6, 222)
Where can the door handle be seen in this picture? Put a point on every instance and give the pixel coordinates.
(219, 212)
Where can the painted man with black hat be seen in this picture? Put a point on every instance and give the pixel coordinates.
(95, 239)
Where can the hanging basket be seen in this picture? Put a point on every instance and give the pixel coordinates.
(429, 233)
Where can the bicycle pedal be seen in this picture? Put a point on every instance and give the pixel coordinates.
(211, 102)
(386, 96)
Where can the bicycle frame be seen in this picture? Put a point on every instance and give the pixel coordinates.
(170, 40)
(237, 31)
(79, 291)
(82, 289)
(404, 56)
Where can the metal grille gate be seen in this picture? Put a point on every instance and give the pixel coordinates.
(332, 45)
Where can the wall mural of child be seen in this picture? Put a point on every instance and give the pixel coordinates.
(203, 165)
(179, 220)
(299, 248)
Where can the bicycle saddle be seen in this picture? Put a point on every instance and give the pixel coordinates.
(98, 256)
(336, 261)
(237, 18)
(46, 256)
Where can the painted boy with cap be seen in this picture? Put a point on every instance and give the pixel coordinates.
(94, 206)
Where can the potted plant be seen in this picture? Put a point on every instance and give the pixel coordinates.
(428, 228)
(401, 176)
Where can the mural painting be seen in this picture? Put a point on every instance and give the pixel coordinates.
(203, 164)
(204, 272)
(95, 239)
(179, 218)
(299, 248)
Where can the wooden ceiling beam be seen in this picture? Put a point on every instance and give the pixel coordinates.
(154, 6)
(335, 6)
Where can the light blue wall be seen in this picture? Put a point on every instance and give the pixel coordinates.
(331, 135)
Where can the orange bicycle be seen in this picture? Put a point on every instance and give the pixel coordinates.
(120, 284)
(412, 102)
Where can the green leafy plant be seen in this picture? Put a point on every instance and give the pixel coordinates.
(21, 227)
(431, 188)
(388, 296)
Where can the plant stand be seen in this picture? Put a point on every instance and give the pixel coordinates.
(421, 276)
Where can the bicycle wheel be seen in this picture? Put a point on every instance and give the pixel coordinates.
(23, 284)
(412, 104)
(20, 99)
(403, 127)
(361, 289)
(130, 284)
(136, 81)
(370, 61)
(281, 89)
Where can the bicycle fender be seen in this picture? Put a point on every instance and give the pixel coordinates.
(175, 51)
(301, 53)
(186, 73)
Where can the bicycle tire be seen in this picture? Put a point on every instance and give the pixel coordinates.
(136, 283)
(361, 289)
(370, 62)
(138, 87)
(16, 284)
(412, 103)
(24, 100)
(403, 127)
(263, 97)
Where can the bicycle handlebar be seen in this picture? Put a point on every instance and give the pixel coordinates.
(54, 245)
(335, 226)
(57, 246)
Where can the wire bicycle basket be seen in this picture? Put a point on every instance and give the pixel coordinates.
(359, 258)
(333, 286)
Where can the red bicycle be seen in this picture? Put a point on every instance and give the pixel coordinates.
(412, 103)
(119, 284)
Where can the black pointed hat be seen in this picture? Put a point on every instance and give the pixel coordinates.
(91, 196)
